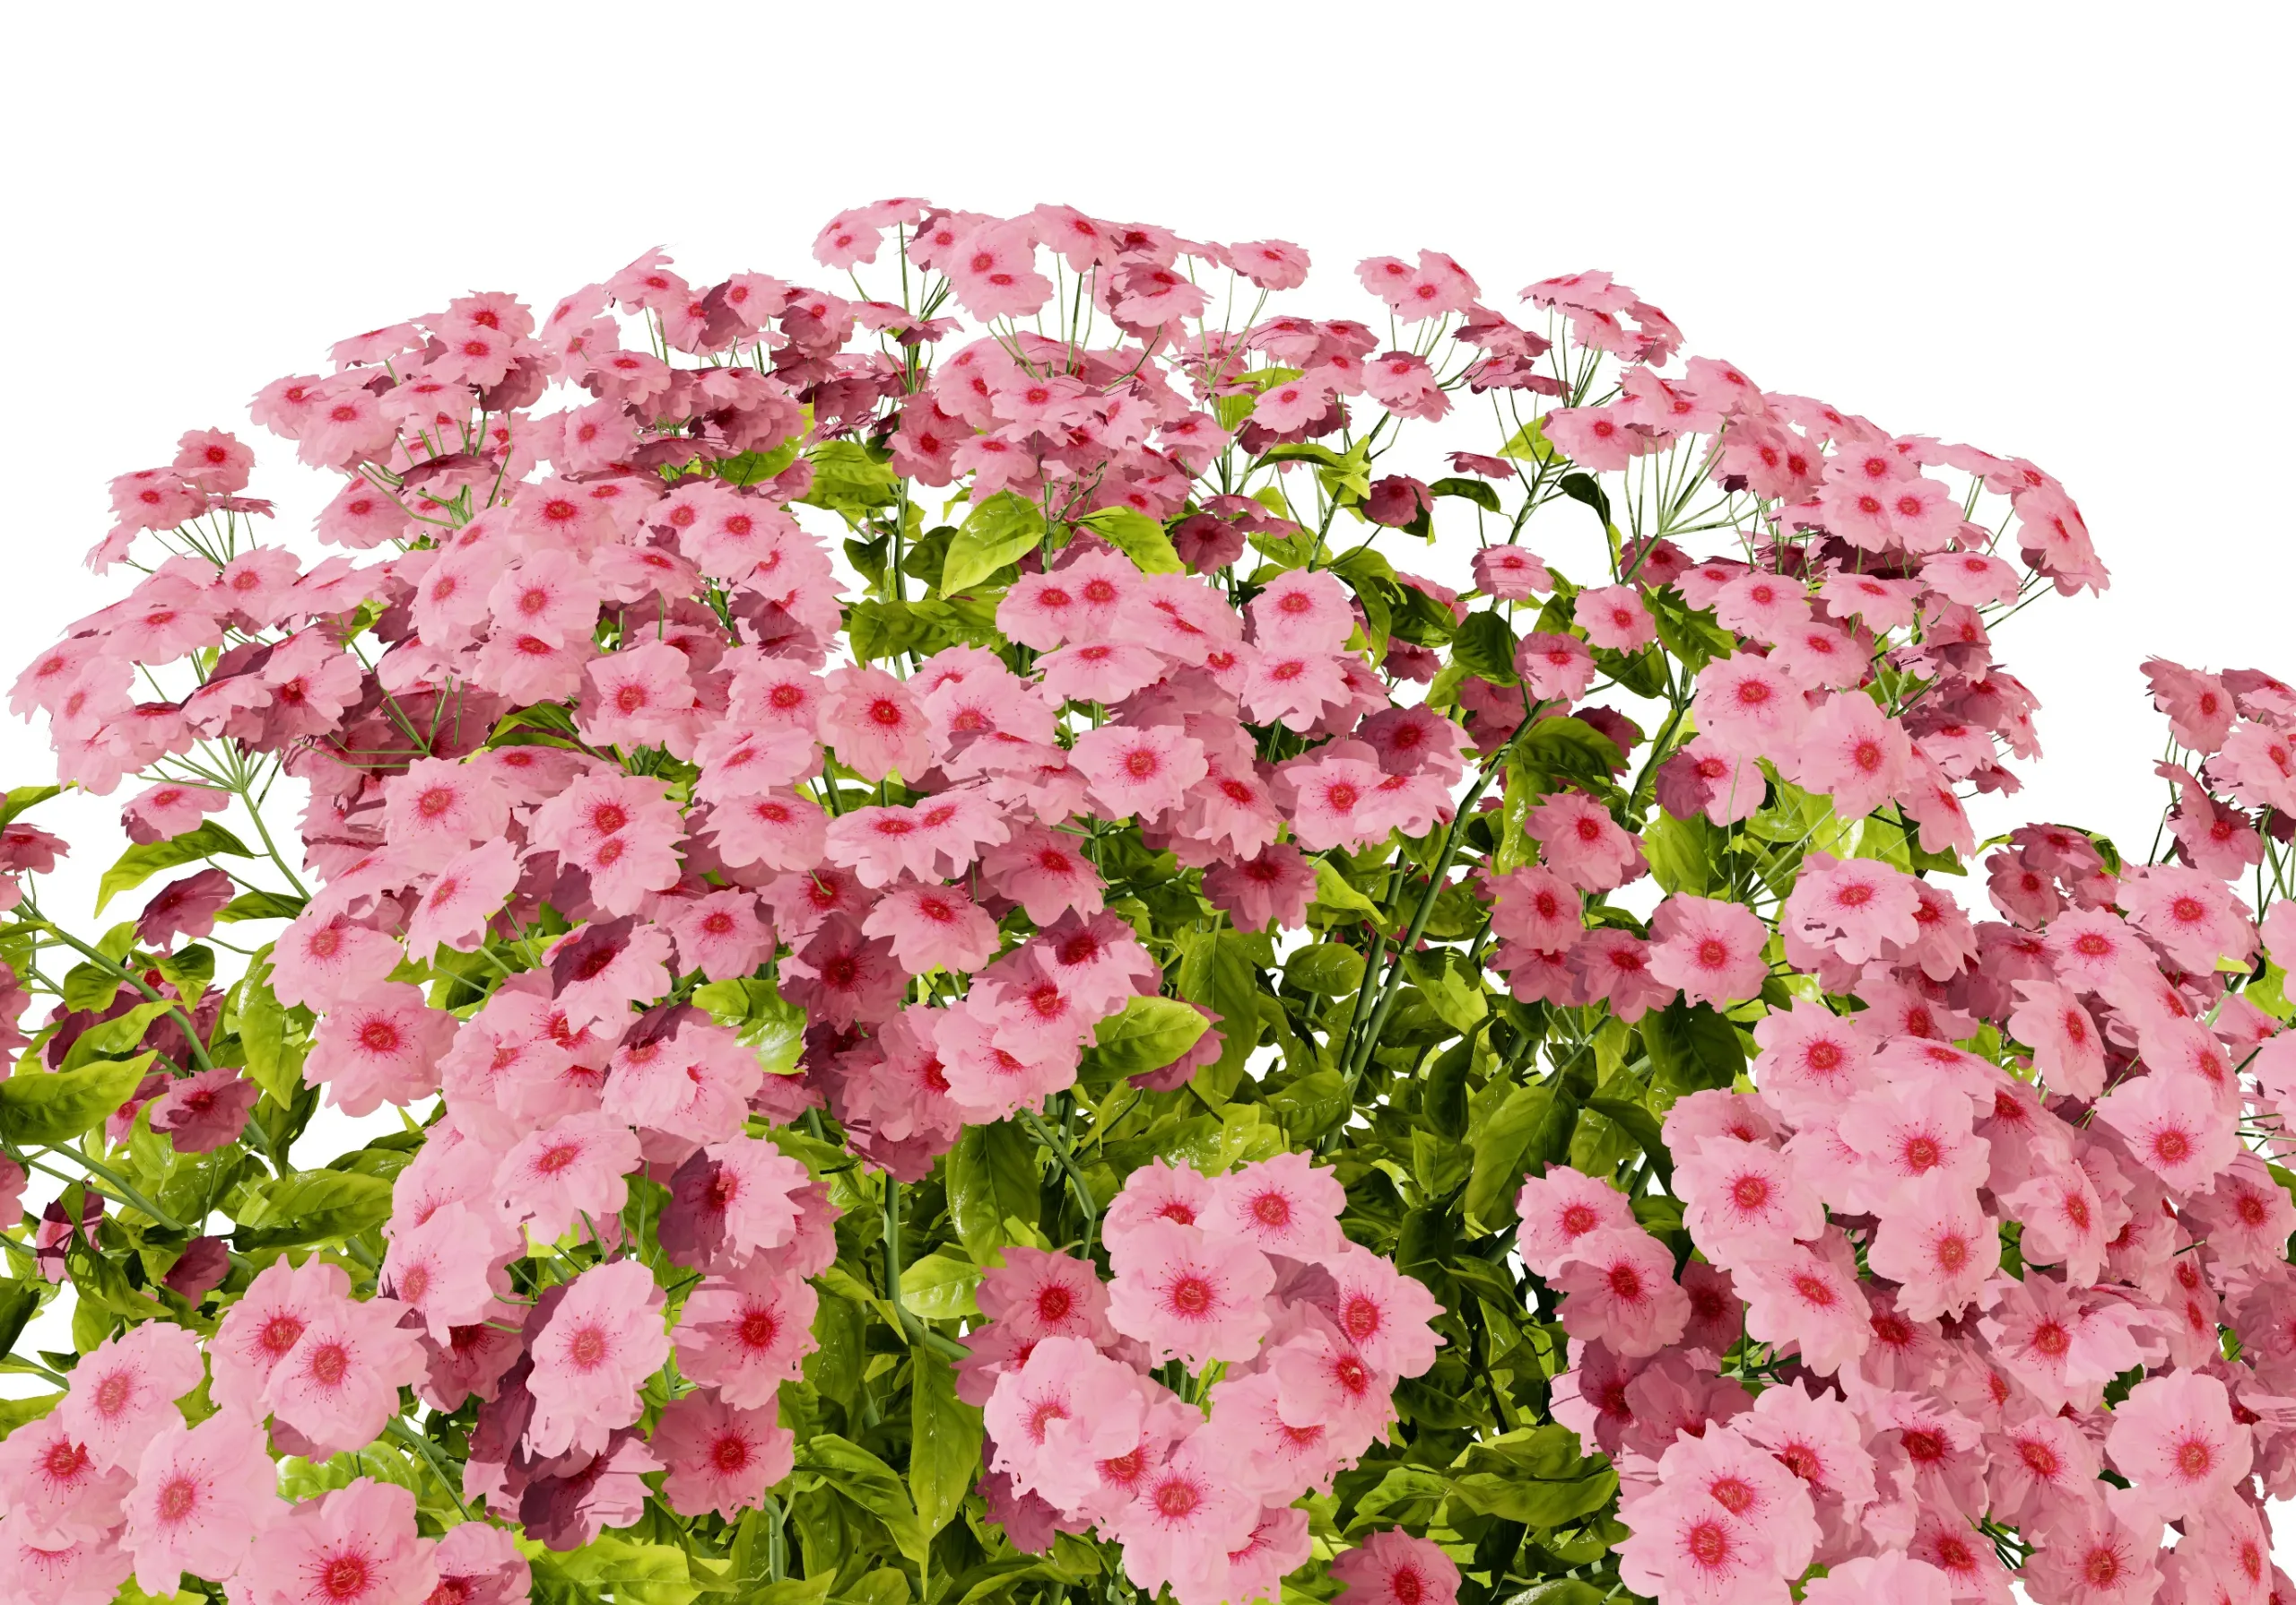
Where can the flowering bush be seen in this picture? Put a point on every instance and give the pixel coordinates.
(1100, 1035)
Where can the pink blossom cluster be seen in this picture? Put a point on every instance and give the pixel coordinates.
(1853, 1215)
(1242, 1354)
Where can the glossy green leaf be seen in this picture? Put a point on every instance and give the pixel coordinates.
(1484, 646)
(140, 863)
(944, 1439)
(997, 532)
(40, 1110)
(1149, 1033)
(312, 1206)
(993, 1177)
(1138, 537)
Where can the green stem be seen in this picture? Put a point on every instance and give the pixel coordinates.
(1076, 1182)
(398, 1432)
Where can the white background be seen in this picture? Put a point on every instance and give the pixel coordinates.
(2052, 231)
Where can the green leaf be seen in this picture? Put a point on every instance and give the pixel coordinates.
(1325, 969)
(19, 1303)
(997, 532)
(1138, 537)
(140, 864)
(22, 1412)
(1452, 989)
(768, 1024)
(275, 1058)
(92, 986)
(1571, 749)
(40, 1111)
(20, 798)
(312, 1206)
(1681, 852)
(1534, 1476)
(1217, 970)
(1504, 1148)
(1335, 891)
(1691, 1048)
(870, 1483)
(260, 905)
(114, 1037)
(992, 1177)
(1641, 1125)
(1530, 444)
(944, 1438)
(1310, 1106)
(939, 1287)
(848, 481)
(1484, 646)
(1150, 1033)
(1476, 491)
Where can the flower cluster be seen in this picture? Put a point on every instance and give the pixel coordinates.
(944, 977)
(1293, 1336)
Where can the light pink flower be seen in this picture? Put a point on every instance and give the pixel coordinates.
(1712, 950)
(875, 724)
(340, 1382)
(2176, 1125)
(1619, 1291)
(576, 1167)
(1183, 1292)
(1748, 707)
(1286, 1205)
(322, 962)
(720, 1458)
(383, 1047)
(1059, 1413)
(1184, 1522)
(86, 1572)
(1559, 1209)
(2175, 1439)
(123, 1390)
(448, 1268)
(1939, 1246)
(54, 1492)
(204, 1495)
(1582, 843)
(355, 1545)
(593, 1353)
(1139, 769)
(746, 1332)
(1893, 1577)
(1392, 1567)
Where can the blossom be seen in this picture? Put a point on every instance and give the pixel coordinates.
(448, 1267)
(1711, 950)
(355, 1544)
(2191, 914)
(1685, 1545)
(1184, 1522)
(339, 1383)
(203, 1497)
(265, 1325)
(1582, 843)
(381, 1048)
(1285, 1205)
(1939, 1246)
(604, 1340)
(1141, 771)
(1619, 1291)
(125, 1388)
(1182, 1291)
(574, 1167)
(54, 1492)
(875, 723)
(2176, 1126)
(1392, 1567)
(746, 1331)
(2175, 1440)
(1893, 1576)
(1748, 707)
(720, 1458)
(1059, 1414)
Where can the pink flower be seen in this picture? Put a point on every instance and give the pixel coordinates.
(355, 1545)
(1896, 1578)
(1055, 1417)
(125, 1388)
(1286, 1205)
(1183, 1292)
(746, 1332)
(777, 831)
(1614, 617)
(1303, 610)
(1612, 966)
(1748, 707)
(1183, 1523)
(88, 1571)
(1269, 1457)
(1382, 1314)
(448, 1268)
(1808, 1297)
(439, 807)
(993, 274)
(1711, 950)
(1559, 1209)
(1139, 769)
(1685, 1546)
(720, 1458)
(875, 724)
(53, 1490)
(2068, 1050)
(2090, 949)
(1905, 1133)
(621, 831)
(1558, 669)
(1855, 753)
(1740, 1197)
(1582, 843)
(577, 1167)
(322, 962)
(340, 1382)
(160, 812)
(2192, 914)
(692, 1082)
(455, 908)
(381, 1048)
(1391, 1567)
(1852, 907)
(204, 1495)
(1510, 573)
(2176, 1125)
(1619, 1291)
(595, 1351)
(262, 1328)
(479, 1565)
(1942, 1248)
(2175, 1439)
(1036, 1295)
